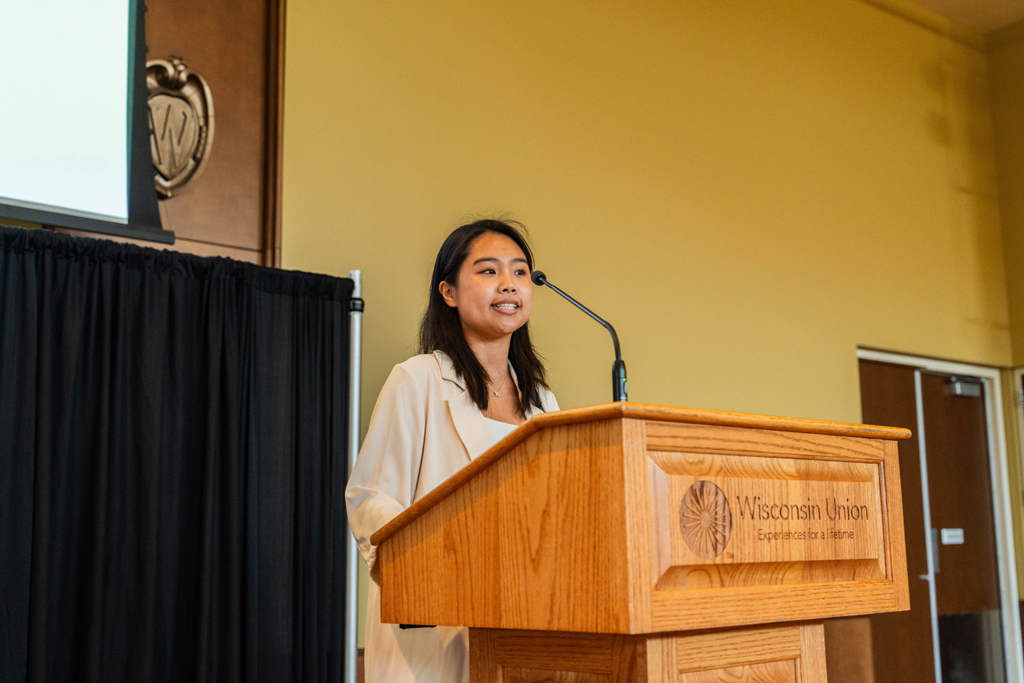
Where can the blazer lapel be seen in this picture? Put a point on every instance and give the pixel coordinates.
(469, 421)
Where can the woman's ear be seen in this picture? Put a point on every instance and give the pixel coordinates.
(448, 294)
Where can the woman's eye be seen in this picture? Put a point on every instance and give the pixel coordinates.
(488, 271)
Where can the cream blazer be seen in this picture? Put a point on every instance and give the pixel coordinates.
(425, 428)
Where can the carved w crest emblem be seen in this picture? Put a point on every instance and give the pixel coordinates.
(180, 123)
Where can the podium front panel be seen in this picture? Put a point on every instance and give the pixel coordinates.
(751, 526)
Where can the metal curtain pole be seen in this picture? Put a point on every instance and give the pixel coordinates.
(355, 321)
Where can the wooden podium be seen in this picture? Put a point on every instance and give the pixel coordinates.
(629, 542)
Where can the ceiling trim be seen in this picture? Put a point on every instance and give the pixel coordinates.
(934, 21)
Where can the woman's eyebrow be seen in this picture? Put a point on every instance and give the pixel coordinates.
(498, 260)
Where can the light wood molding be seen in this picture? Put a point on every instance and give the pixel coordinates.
(674, 436)
(742, 647)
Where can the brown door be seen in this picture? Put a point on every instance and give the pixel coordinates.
(954, 489)
(901, 642)
(963, 523)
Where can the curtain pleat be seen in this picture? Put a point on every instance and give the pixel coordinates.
(172, 466)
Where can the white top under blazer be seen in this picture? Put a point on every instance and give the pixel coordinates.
(425, 428)
(499, 430)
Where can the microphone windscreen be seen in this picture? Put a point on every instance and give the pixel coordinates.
(538, 277)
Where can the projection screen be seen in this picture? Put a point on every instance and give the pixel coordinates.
(66, 125)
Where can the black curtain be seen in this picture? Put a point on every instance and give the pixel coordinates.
(172, 466)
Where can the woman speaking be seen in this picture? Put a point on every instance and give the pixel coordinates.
(476, 379)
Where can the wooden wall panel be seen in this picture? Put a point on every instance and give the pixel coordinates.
(237, 46)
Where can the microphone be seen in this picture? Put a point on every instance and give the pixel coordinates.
(619, 366)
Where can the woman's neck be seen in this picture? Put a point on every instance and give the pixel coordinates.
(492, 354)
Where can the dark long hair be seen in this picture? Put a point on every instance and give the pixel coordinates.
(441, 328)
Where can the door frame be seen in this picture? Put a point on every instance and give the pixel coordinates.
(1006, 558)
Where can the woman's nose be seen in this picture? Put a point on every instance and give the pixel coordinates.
(507, 283)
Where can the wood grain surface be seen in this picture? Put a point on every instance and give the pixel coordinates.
(892, 501)
(697, 438)
(728, 649)
(695, 464)
(540, 656)
(820, 557)
(789, 652)
(642, 525)
(640, 411)
(775, 521)
(793, 652)
(583, 527)
(535, 541)
(764, 604)
(769, 672)
(767, 574)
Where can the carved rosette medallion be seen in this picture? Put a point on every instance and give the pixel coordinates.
(705, 519)
(180, 123)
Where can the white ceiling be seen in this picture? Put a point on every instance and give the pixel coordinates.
(981, 15)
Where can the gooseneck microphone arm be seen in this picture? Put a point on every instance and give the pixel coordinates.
(619, 389)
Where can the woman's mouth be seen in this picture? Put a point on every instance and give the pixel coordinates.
(510, 307)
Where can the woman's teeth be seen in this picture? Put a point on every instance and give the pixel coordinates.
(506, 307)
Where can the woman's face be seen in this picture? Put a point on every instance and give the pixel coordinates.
(494, 293)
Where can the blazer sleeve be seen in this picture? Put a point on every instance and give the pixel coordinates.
(383, 480)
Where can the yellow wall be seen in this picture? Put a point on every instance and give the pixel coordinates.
(1006, 75)
(747, 190)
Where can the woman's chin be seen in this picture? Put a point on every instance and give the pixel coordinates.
(497, 331)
